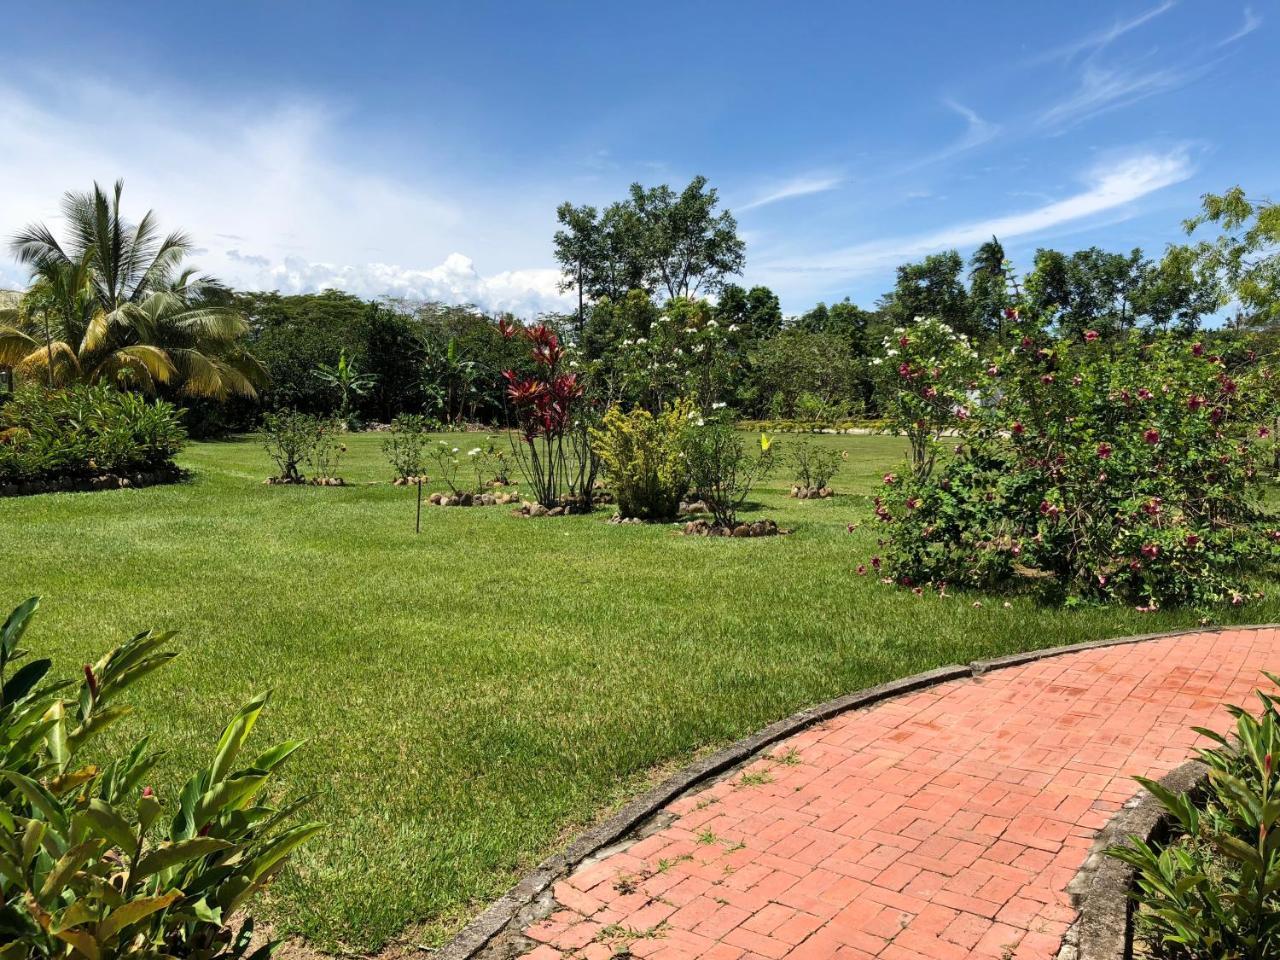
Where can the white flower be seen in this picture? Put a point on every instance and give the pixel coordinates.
(733, 328)
(455, 449)
(877, 361)
(701, 422)
(891, 352)
(712, 323)
(641, 340)
(473, 451)
(719, 405)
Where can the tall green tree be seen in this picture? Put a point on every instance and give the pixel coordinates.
(931, 288)
(689, 246)
(988, 288)
(1245, 257)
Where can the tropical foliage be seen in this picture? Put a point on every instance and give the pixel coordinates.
(722, 470)
(91, 866)
(113, 304)
(84, 432)
(1209, 891)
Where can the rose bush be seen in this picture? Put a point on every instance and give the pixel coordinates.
(1124, 471)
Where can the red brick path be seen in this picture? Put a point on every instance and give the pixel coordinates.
(940, 824)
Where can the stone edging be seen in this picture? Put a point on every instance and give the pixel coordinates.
(105, 481)
(482, 931)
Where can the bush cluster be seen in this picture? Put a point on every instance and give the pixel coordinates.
(1124, 472)
(85, 431)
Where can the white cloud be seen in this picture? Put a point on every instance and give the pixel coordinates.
(1252, 21)
(796, 187)
(1108, 186)
(272, 195)
(1104, 38)
(456, 280)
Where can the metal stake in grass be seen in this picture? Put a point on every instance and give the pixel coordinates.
(417, 523)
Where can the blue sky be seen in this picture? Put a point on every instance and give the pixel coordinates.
(421, 149)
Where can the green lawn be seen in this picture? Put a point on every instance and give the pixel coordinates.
(472, 694)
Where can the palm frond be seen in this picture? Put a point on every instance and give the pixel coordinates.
(15, 345)
(140, 365)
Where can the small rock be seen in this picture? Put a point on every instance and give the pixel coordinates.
(537, 510)
(555, 512)
(742, 530)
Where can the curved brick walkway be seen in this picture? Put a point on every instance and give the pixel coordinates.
(946, 823)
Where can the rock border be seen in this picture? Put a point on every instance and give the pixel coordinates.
(486, 928)
(105, 481)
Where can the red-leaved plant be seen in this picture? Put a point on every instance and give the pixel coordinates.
(552, 445)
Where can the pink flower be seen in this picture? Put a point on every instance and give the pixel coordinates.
(913, 502)
(1264, 432)
(993, 371)
(1090, 336)
(148, 792)
(1144, 394)
(890, 479)
(1195, 402)
(1104, 450)
(1151, 550)
(930, 392)
(1192, 540)
(1017, 428)
(1151, 435)
(1197, 349)
(1152, 507)
(875, 563)
(1047, 379)
(1047, 509)
(904, 341)
(862, 569)
(904, 370)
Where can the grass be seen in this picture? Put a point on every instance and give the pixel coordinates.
(473, 694)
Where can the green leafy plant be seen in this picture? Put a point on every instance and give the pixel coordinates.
(448, 462)
(289, 437)
(722, 470)
(91, 868)
(405, 445)
(643, 456)
(347, 380)
(812, 465)
(1210, 890)
(85, 431)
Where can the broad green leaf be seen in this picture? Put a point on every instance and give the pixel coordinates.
(162, 858)
(132, 912)
(234, 736)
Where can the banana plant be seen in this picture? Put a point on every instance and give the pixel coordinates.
(90, 866)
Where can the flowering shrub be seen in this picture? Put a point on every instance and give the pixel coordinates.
(644, 457)
(722, 470)
(1125, 471)
(553, 447)
(91, 865)
(926, 377)
(83, 431)
(405, 444)
(688, 353)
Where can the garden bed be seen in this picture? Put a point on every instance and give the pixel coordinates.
(103, 481)
(757, 528)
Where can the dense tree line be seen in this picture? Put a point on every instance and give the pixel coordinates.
(657, 316)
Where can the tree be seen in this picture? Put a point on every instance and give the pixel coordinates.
(122, 310)
(689, 247)
(988, 288)
(1245, 258)
(757, 312)
(577, 248)
(347, 380)
(799, 364)
(931, 288)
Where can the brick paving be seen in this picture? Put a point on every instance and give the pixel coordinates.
(941, 824)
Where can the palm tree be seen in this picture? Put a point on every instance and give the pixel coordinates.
(349, 382)
(121, 309)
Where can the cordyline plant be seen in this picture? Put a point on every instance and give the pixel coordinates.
(1120, 471)
(553, 444)
(1210, 890)
(92, 866)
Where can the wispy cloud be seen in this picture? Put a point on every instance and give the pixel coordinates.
(796, 187)
(1103, 89)
(1107, 187)
(1252, 21)
(1101, 39)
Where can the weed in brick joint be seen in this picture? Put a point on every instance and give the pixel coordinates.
(788, 758)
(755, 779)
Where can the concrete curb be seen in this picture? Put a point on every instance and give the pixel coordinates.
(1104, 930)
(485, 928)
